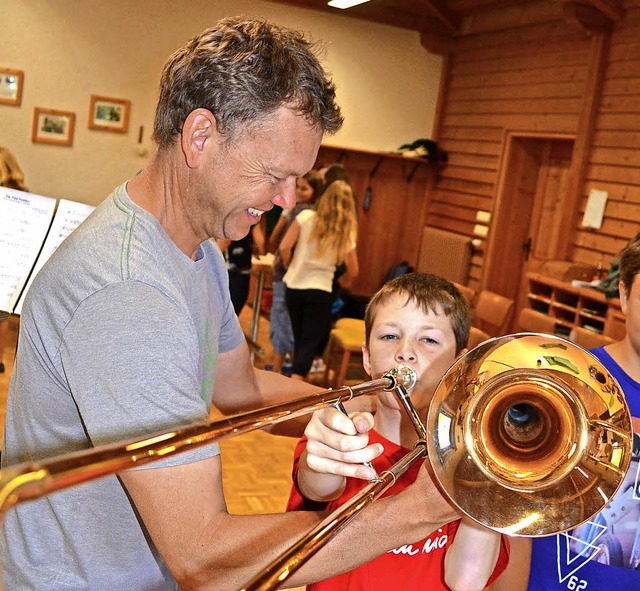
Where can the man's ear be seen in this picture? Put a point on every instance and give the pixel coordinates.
(198, 134)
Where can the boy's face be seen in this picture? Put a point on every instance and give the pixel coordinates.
(404, 333)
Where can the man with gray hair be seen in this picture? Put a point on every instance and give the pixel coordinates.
(129, 330)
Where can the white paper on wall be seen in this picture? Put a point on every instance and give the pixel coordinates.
(594, 212)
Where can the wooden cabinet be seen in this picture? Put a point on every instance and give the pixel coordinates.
(575, 306)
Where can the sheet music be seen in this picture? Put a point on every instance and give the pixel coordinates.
(24, 221)
(69, 215)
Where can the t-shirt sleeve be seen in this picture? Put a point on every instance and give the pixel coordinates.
(503, 560)
(132, 366)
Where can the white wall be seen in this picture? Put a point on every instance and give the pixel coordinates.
(69, 49)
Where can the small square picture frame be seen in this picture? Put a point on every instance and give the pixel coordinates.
(109, 114)
(11, 83)
(52, 126)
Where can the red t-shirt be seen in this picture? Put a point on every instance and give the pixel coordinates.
(417, 565)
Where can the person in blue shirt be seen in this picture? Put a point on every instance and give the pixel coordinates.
(603, 553)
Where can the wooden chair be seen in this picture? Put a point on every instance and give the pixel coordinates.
(468, 293)
(587, 339)
(492, 313)
(531, 321)
(344, 353)
(476, 336)
(353, 324)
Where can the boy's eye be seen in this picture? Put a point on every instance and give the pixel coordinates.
(388, 337)
(429, 340)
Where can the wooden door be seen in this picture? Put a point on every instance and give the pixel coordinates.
(530, 211)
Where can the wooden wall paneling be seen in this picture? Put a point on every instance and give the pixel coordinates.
(599, 47)
(522, 68)
(484, 148)
(487, 134)
(616, 156)
(515, 105)
(526, 72)
(544, 122)
(555, 88)
(462, 186)
(464, 214)
(622, 174)
(541, 75)
(481, 202)
(533, 37)
(613, 163)
(521, 57)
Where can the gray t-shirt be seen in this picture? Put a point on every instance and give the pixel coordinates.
(119, 338)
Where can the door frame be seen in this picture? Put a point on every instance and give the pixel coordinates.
(497, 251)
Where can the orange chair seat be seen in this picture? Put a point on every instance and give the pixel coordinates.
(344, 351)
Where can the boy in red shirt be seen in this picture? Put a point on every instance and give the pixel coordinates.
(422, 321)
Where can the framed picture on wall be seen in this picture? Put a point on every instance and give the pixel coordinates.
(53, 127)
(11, 86)
(109, 114)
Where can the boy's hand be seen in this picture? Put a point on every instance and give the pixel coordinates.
(338, 444)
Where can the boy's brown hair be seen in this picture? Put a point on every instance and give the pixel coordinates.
(630, 262)
(432, 294)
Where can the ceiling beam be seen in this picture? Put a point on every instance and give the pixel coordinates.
(436, 43)
(594, 16)
(450, 19)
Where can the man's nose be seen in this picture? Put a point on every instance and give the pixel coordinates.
(286, 198)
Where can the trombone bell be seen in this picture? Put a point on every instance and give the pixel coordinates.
(530, 434)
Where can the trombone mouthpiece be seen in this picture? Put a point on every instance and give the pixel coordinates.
(401, 375)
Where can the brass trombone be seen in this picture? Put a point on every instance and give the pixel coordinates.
(528, 434)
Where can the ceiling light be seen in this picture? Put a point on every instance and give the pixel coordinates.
(346, 3)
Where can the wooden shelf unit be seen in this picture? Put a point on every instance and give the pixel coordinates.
(575, 306)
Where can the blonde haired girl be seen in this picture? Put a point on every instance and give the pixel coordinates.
(323, 239)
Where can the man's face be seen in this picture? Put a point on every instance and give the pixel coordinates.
(255, 171)
(403, 333)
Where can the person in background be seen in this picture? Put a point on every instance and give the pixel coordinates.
(603, 553)
(11, 177)
(237, 256)
(128, 331)
(322, 239)
(422, 321)
(308, 189)
(330, 173)
(335, 172)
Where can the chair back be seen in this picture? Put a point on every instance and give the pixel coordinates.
(587, 339)
(492, 313)
(468, 293)
(351, 324)
(531, 321)
(476, 336)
